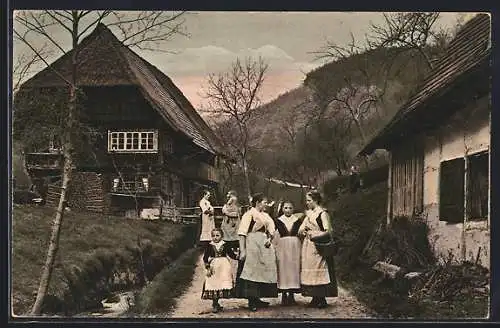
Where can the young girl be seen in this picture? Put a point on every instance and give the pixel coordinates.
(219, 281)
(288, 252)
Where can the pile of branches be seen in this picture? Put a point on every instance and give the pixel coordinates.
(446, 282)
(404, 243)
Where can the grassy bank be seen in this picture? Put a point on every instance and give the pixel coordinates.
(82, 236)
(355, 218)
(158, 298)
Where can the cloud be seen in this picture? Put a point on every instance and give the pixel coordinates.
(214, 59)
(189, 68)
(269, 52)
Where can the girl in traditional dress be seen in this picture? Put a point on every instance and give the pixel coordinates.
(207, 219)
(219, 281)
(231, 221)
(288, 251)
(258, 276)
(317, 274)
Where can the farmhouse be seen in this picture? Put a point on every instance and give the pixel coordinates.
(439, 143)
(144, 144)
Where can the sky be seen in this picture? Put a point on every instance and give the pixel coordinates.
(285, 40)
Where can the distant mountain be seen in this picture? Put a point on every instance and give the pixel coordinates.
(287, 109)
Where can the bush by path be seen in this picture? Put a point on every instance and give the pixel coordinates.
(444, 291)
(160, 295)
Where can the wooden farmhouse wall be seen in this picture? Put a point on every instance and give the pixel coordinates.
(444, 174)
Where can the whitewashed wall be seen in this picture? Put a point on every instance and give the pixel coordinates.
(466, 133)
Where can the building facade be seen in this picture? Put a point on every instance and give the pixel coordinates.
(439, 143)
(141, 142)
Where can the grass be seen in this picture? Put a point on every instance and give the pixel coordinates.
(160, 295)
(82, 234)
(384, 299)
(355, 218)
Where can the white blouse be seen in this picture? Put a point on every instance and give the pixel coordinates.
(205, 206)
(262, 219)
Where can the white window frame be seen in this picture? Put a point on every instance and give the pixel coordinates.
(134, 139)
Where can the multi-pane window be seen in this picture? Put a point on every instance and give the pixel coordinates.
(132, 141)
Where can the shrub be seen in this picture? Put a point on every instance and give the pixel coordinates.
(404, 242)
(160, 295)
(334, 187)
(354, 219)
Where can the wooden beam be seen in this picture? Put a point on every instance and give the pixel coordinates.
(466, 207)
(389, 189)
(489, 182)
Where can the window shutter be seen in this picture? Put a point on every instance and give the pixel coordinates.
(451, 191)
(478, 182)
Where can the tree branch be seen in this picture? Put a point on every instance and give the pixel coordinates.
(99, 18)
(20, 37)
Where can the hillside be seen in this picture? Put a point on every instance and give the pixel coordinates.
(287, 110)
(82, 235)
(394, 73)
(405, 71)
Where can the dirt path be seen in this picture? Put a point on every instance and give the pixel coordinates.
(190, 305)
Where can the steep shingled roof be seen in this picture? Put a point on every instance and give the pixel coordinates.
(469, 49)
(104, 60)
(182, 101)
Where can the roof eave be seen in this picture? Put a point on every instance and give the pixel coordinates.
(382, 139)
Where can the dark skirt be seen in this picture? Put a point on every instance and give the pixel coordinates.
(216, 294)
(327, 290)
(249, 289)
(233, 244)
(292, 290)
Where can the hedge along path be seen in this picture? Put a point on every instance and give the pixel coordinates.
(190, 305)
(159, 296)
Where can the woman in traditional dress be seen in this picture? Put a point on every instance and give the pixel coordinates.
(219, 281)
(288, 249)
(231, 221)
(207, 219)
(230, 224)
(269, 207)
(317, 275)
(258, 276)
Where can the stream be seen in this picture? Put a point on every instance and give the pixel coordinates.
(122, 303)
(113, 307)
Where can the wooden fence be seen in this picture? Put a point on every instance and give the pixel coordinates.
(188, 215)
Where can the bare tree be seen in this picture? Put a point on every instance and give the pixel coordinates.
(357, 101)
(411, 31)
(414, 31)
(233, 97)
(27, 63)
(139, 29)
(364, 89)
